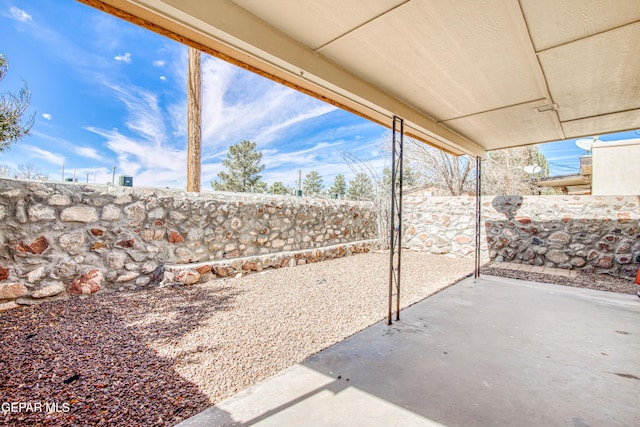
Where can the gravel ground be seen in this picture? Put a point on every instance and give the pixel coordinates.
(158, 356)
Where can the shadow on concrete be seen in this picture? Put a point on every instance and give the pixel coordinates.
(493, 351)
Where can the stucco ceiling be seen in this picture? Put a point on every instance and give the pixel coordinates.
(465, 75)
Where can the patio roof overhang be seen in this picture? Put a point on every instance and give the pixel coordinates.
(466, 76)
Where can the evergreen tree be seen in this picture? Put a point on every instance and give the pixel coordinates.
(409, 177)
(243, 168)
(361, 187)
(12, 107)
(278, 188)
(339, 185)
(312, 183)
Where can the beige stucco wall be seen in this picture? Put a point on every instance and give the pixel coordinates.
(616, 168)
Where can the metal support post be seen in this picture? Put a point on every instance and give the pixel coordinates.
(395, 240)
(476, 272)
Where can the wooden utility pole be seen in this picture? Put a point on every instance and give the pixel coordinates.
(194, 119)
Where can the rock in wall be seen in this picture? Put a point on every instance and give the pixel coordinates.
(590, 233)
(61, 239)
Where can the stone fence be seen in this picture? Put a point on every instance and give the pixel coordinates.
(65, 239)
(590, 233)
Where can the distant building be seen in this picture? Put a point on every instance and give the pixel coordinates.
(616, 168)
(613, 169)
(125, 181)
(568, 184)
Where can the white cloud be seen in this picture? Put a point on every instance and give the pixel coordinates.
(50, 157)
(143, 150)
(268, 134)
(209, 172)
(159, 63)
(49, 38)
(238, 105)
(146, 118)
(163, 78)
(129, 152)
(20, 14)
(47, 116)
(324, 158)
(272, 158)
(124, 58)
(88, 152)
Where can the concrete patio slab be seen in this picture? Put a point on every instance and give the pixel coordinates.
(492, 351)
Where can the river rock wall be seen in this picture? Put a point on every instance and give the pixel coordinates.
(66, 239)
(591, 233)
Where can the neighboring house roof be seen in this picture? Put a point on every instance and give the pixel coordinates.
(568, 184)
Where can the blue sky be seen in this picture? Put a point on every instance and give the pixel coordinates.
(107, 93)
(564, 156)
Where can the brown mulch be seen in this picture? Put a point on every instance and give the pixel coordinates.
(82, 361)
(601, 282)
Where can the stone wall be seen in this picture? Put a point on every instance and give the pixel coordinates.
(440, 225)
(64, 239)
(60, 239)
(591, 233)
